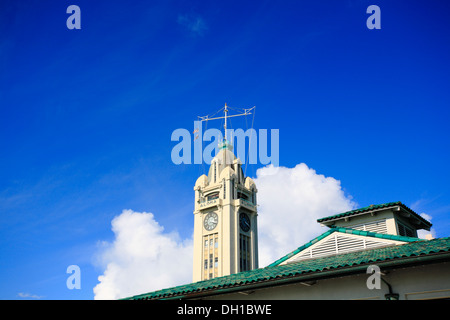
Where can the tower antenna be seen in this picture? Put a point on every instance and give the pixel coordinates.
(226, 116)
(225, 125)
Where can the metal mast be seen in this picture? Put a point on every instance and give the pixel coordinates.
(225, 125)
(226, 116)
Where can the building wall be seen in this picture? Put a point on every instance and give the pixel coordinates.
(366, 218)
(421, 282)
(392, 218)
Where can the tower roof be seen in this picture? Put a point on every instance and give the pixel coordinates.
(224, 158)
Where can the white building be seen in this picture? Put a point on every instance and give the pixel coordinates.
(335, 265)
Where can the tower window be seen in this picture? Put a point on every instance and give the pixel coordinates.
(244, 253)
(224, 189)
(232, 188)
(242, 195)
(213, 196)
(210, 255)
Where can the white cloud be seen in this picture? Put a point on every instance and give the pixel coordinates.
(290, 201)
(417, 206)
(194, 23)
(142, 258)
(28, 295)
(424, 234)
(426, 216)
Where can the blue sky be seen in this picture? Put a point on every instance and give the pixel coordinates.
(87, 115)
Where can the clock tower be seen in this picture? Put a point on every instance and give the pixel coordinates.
(225, 219)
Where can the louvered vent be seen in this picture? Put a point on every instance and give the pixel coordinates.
(325, 249)
(375, 226)
(348, 244)
(338, 244)
(405, 231)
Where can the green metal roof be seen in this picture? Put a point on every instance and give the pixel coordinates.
(374, 207)
(393, 256)
(344, 230)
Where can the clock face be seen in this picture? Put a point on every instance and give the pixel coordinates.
(211, 221)
(244, 222)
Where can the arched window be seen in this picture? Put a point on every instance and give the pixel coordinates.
(242, 195)
(212, 196)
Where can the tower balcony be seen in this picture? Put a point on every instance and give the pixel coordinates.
(247, 204)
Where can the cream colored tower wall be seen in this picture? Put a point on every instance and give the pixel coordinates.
(197, 266)
(223, 179)
(255, 242)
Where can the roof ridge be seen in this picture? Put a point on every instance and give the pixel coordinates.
(367, 208)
